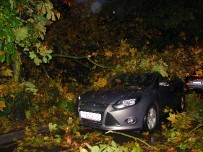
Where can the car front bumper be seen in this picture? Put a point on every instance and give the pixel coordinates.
(130, 118)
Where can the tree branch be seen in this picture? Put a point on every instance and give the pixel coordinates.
(99, 65)
(69, 56)
(79, 58)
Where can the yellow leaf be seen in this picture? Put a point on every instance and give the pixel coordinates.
(2, 53)
(2, 105)
(77, 134)
(145, 133)
(46, 138)
(199, 72)
(53, 18)
(7, 72)
(100, 83)
(82, 149)
(172, 118)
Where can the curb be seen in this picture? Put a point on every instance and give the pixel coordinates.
(10, 137)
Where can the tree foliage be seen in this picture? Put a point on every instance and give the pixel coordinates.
(164, 22)
(23, 27)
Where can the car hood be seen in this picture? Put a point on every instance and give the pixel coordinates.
(110, 96)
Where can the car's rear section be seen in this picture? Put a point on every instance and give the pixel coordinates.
(195, 83)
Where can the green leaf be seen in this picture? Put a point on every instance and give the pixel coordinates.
(37, 45)
(32, 55)
(86, 136)
(37, 61)
(21, 33)
(109, 149)
(49, 6)
(41, 27)
(14, 56)
(52, 127)
(48, 16)
(70, 121)
(95, 149)
(41, 35)
(2, 58)
(44, 59)
(39, 6)
(144, 64)
(7, 56)
(43, 10)
(49, 51)
(12, 4)
(113, 143)
(29, 86)
(6, 34)
(28, 114)
(2, 53)
(57, 138)
(9, 48)
(14, 22)
(49, 57)
(83, 150)
(183, 146)
(161, 69)
(137, 149)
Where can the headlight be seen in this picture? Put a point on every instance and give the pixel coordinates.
(125, 103)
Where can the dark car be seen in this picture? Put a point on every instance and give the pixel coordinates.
(194, 83)
(131, 102)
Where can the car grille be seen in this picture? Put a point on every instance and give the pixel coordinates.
(93, 124)
(88, 106)
(110, 120)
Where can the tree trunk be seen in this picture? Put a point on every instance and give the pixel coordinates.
(17, 68)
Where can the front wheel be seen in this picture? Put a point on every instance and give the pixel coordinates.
(151, 119)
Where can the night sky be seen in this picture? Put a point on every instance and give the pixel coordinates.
(95, 5)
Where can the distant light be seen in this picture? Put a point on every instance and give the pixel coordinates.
(96, 7)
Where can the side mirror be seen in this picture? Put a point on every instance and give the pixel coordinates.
(163, 84)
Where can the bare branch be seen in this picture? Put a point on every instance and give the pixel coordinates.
(79, 58)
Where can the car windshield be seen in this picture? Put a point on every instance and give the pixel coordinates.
(129, 79)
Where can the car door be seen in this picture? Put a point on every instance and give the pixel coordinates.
(165, 93)
(177, 91)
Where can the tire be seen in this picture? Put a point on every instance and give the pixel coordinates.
(182, 104)
(151, 119)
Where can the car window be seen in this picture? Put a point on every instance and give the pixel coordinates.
(163, 79)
